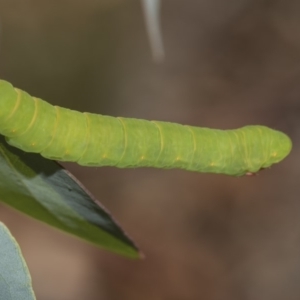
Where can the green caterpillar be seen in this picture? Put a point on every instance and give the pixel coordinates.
(34, 125)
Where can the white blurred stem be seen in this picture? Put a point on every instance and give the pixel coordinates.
(152, 18)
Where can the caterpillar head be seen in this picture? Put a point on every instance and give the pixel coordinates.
(280, 145)
(267, 147)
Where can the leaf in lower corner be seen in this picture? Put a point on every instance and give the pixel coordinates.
(15, 280)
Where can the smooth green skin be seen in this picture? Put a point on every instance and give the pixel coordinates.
(34, 125)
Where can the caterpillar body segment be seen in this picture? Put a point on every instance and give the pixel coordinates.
(34, 125)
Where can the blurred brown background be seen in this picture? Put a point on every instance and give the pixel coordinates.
(228, 64)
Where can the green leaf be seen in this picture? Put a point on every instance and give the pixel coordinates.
(15, 280)
(42, 189)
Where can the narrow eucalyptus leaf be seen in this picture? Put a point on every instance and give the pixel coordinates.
(42, 189)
